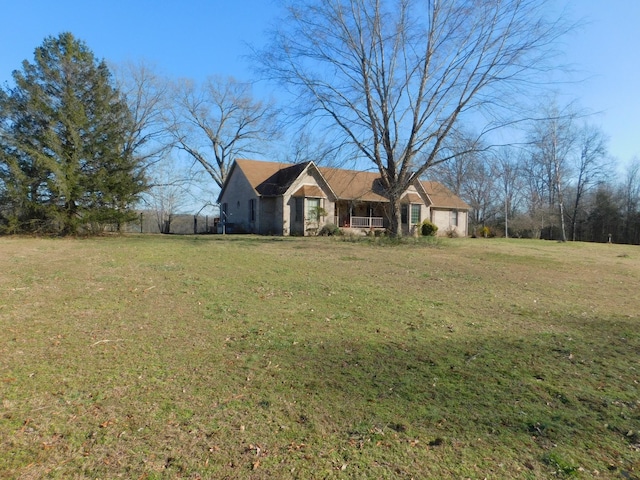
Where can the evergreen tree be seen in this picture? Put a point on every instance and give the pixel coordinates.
(604, 218)
(64, 165)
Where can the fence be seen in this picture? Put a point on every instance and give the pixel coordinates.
(182, 224)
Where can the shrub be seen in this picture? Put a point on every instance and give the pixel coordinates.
(329, 230)
(452, 233)
(485, 232)
(428, 229)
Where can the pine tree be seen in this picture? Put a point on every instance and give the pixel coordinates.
(64, 165)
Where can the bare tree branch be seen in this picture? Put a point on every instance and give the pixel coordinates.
(145, 92)
(218, 121)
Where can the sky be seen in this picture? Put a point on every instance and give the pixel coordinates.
(198, 38)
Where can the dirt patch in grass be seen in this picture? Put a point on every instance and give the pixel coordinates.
(249, 357)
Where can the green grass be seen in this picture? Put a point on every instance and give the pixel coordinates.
(250, 357)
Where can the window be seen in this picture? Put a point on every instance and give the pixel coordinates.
(404, 212)
(252, 210)
(454, 218)
(415, 214)
(313, 208)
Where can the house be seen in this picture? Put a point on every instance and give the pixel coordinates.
(298, 199)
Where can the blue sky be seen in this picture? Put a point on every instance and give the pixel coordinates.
(197, 38)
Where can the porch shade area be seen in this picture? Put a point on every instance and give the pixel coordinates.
(360, 215)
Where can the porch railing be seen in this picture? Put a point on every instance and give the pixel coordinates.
(367, 222)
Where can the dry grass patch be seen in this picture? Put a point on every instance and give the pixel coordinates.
(246, 357)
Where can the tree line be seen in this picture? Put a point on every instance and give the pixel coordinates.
(409, 88)
(559, 183)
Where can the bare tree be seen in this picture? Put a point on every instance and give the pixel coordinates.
(169, 191)
(538, 194)
(508, 177)
(146, 94)
(553, 140)
(305, 146)
(456, 173)
(480, 190)
(218, 121)
(397, 77)
(470, 175)
(590, 168)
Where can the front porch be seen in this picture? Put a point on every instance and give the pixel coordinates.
(364, 215)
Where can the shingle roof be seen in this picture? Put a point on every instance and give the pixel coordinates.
(270, 178)
(310, 191)
(411, 198)
(274, 178)
(442, 197)
(354, 185)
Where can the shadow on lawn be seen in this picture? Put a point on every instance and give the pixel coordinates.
(545, 391)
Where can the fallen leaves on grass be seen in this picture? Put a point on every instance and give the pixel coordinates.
(106, 341)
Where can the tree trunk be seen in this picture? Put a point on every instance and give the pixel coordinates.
(563, 231)
(395, 226)
(70, 226)
(506, 219)
(576, 207)
(560, 195)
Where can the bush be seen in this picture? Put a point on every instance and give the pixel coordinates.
(328, 230)
(485, 232)
(452, 233)
(428, 229)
